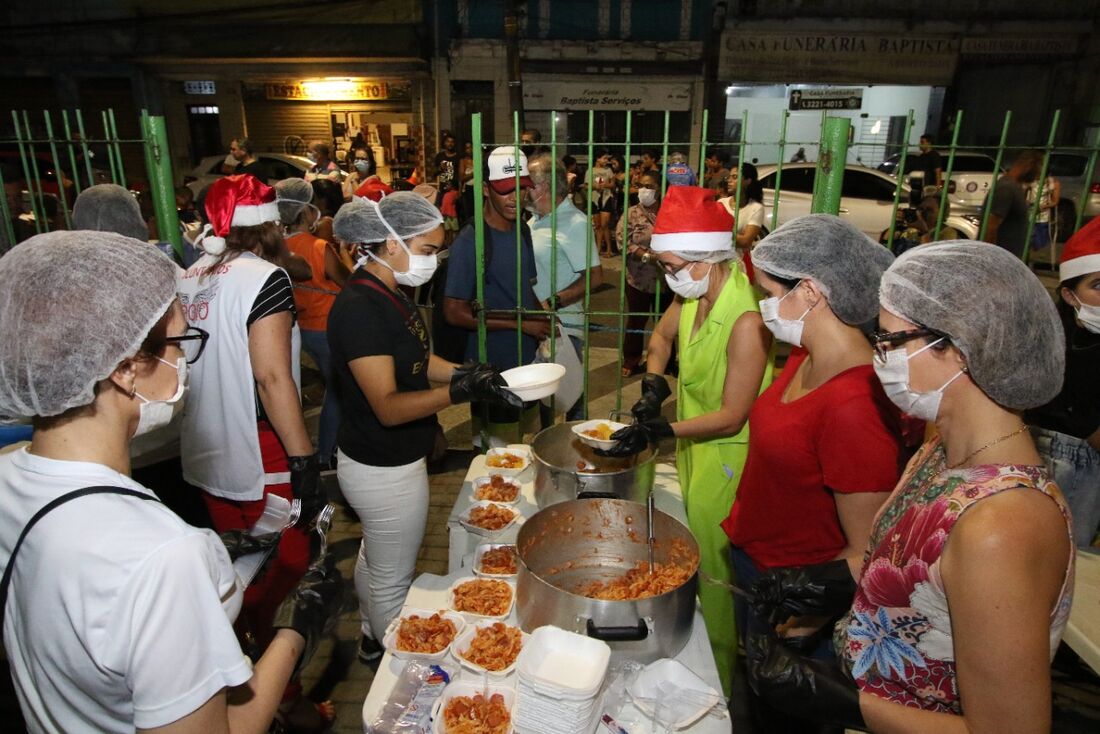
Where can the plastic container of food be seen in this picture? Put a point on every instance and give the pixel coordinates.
(474, 615)
(482, 482)
(389, 640)
(464, 518)
(462, 643)
(466, 688)
(482, 549)
(593, 425)
(494, 456)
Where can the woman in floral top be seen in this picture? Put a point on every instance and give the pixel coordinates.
(966, 585)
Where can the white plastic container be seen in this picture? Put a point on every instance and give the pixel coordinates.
(486, 480)
(473, 615)
(563, 665)
(522, 452)
(691, 700)
(466, 688)
(462, 642)
(534, 381)
(580, 428)
(389, 641)
(481, 551)
(464, 518)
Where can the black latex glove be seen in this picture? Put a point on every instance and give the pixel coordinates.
(473, 381)
(822, 590)
(634, 439)
(305, 485)
(311, 607)
(240, 543)
(655, 390)
(816, 690)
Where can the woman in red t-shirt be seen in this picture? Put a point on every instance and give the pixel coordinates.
(825, 447)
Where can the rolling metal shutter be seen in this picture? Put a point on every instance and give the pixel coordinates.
(270, 122)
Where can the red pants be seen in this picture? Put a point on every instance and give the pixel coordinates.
(285, 569)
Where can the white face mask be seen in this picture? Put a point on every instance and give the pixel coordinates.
(155, 414)
(647, 197)
(682, 284)
(1089, 316)
(421, 267)
(362, 166)
(785, 330)
(893, 373)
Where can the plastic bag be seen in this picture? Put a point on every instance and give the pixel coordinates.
(572, 384)
(408, 710)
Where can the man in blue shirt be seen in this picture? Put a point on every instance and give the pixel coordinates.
(503, 290)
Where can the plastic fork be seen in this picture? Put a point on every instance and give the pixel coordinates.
(321, 526)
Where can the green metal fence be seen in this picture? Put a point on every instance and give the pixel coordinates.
(828, 196)
(47, 160)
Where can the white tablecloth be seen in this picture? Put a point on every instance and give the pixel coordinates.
(1083, 630)
(430, 592)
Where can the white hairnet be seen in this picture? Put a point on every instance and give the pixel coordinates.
(291, 196)
(363, 221)
(73, 305)
(995, 310)
(845, 263)
(109, 207)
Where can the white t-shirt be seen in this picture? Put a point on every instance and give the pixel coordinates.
(751, 213)
(118, 614)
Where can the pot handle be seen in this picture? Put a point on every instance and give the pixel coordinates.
(596, 495)
(621, 414)
(619, 634)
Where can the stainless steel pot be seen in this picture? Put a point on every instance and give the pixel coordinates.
(557, 453)
(572, 543)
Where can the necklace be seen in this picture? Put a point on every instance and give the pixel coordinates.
(994, 442)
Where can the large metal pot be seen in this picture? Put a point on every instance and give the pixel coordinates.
(572, 543)
(557, 453)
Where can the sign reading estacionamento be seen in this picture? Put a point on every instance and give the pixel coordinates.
(602, 95)
(335, 90)
(830, 98)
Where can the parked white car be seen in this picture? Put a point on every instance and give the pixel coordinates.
(1069, 168)
(972, 175)
(867, 198)
(277, 166)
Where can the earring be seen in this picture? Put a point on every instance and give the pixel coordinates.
(133, 388)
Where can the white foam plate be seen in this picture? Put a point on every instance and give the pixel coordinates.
(473, 615)
(466, 688)
(480, 551)
(522, 453)
(580, 428)
(694, 701)
(389, 641)
(462, 642)
(464, 519)
(534, 381)
(483, 481)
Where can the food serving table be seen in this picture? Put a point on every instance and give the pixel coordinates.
(1083, 629)
(430, 591)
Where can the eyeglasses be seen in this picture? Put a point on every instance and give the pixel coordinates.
(192, 342)
(884, 341)
(671, 269)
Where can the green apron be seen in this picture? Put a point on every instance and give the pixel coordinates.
(710, 468)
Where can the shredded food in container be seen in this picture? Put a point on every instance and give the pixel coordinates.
(494, 647)
(500, 561)
(498, 489)
(637, 583)
(504, 461)
(476, 715)
(490, 517)
(487, 597)
(425, 634)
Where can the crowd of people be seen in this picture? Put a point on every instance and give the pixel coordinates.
(934, 396)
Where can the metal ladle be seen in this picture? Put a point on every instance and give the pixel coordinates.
(650, 541)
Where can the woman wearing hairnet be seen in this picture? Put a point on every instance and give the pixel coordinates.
(243, 435)
(384, 369)
(117, 616)
(725, 358)
(1067, 429)
(313, 298)
(825, 447)
(966, 584)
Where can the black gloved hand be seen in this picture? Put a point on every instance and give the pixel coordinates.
(473, 381)
(634, 439)
(816, 690)
(312, 606)
(655, 390)
(305, 485)
(240, 543)
(824, 590)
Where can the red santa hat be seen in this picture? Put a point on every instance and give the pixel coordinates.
(690, 219)
(1081, 254)
(374, 189)
(241, 200)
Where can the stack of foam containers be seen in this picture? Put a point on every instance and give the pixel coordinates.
(558, 682)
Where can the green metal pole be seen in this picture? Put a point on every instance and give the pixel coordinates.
(554, 237)
(996, 174)
(703, 147)
(1090, 169)
(62, 196)
(1034, 213)
(947, 175)
(26, 157)
(779, 168)
(72, 156)
(9, 228)
(519, 251)
(589, 234)
(159, 164)
(829, 180)
(624, 219)
(118, 150)
(479, 236)
(818, 182)
(900, 175)
(740, 169)
(84, 147)
(660, 284)
(110, 150)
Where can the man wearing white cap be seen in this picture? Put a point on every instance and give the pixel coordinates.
(502, 292)
(725, 362)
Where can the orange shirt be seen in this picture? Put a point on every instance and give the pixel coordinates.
(314, 297)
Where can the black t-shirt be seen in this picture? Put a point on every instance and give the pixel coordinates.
(255, 168)
(928, 163)
(1076, 410)
(370, 320)
(446, 166)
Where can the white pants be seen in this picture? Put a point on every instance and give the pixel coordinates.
(392, 504)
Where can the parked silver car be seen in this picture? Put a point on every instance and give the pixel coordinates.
(1077, 194)
(972, 175)
(276, 166)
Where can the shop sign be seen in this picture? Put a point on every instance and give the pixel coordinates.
(199, 88)
(332, 90)
(829, 98)
(1009, 46)
(603, 95)
(853, 58)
